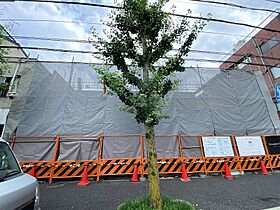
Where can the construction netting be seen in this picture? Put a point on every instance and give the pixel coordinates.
(67, 99)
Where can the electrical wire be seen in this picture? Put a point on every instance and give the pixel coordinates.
(235, 5)
(67, 2)
(52, 39)
(96, 52)
(117, 7)
(209, 5)
(50, 49)
(186, 59)
(228, 22)
(50, 21)
(95, 23)
(85, 41)
(274, 1)
(176, 15)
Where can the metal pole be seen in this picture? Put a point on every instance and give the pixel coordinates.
(268, 156)
(71, 71)
(142, 155)
(202, 154)
(267, 70)
(99, 159)
(55, 154)
(236, 154)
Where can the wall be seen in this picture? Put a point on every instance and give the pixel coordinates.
(26, 72)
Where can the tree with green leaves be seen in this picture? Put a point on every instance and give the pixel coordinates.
(140, 43)
(3, 61)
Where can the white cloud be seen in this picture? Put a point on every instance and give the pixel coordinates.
(94, 14)
(48, 29)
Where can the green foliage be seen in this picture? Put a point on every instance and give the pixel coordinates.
(168, 204)
(141, 35)
(4, 86)
(3, 62)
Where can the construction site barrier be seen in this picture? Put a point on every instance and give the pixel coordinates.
(275, 161)
(99, 167)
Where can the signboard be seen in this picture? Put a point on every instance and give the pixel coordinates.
(217, 146)
(277, 93)
(273, 144)
(250, 145)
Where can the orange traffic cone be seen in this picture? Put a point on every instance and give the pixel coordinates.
(135, 174)
(227, 172)
(263, 168)
(185, 177)
(33, 171)
(84, 181)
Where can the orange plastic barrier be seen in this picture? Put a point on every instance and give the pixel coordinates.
(55, 169)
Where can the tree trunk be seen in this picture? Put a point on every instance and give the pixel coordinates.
(154, 189)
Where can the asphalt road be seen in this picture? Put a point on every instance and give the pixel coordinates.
(214, 192)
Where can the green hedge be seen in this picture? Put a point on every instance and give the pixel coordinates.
(168, 204)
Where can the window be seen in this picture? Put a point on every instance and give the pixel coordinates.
(243, 62)
(273, 41)
(8, 163)
(275, 72)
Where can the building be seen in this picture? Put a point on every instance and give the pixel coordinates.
(260, 52)
(17, 78)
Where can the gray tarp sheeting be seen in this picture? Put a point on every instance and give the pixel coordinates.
(66, 99)
(78, 150)
(121, 147)
(190, 146)
(166, 147)
(34, 151)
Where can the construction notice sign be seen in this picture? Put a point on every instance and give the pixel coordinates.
(273, 144)
(250, 145)
(217, 146)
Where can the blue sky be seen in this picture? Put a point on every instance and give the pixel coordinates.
(59, 12)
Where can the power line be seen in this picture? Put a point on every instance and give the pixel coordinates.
(236, 5)
(116, 7)
(52, 39)
(51, 21)
(235, 54)
(228, 22)
(65, 62)
(231, 34)
(274, 1)
(176, 15)
(254, 37)
(87, 41)
(201, 3)
(51, 49)
(96, 23)
(96, 52)
(186, 59)
(67, 2)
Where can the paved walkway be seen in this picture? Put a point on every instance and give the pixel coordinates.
(215, 192)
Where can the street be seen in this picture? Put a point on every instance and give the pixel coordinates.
(250, 191)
